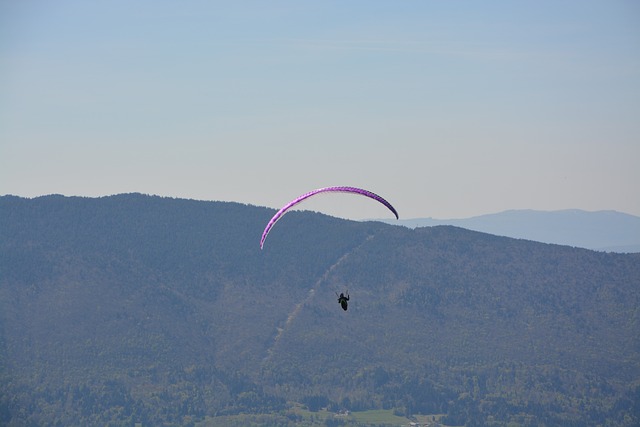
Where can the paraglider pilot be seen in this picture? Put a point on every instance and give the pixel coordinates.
(343, 301)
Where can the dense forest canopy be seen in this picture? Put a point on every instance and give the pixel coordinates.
(137, 308)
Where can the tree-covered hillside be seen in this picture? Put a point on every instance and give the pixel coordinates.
(135, 308)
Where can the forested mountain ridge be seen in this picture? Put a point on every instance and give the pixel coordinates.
(135, 308)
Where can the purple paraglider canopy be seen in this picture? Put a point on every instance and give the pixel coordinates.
(352, 190)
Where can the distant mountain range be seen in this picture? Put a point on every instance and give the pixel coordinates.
(608, 231)
(137, 309)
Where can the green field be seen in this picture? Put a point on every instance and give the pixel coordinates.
(299, 416)
(379, 417)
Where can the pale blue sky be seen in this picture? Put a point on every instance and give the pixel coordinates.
(446, 108)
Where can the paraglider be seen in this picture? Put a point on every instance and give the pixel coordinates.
(343, 301)
(351, 190)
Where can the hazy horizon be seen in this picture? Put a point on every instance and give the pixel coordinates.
(447, 110)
